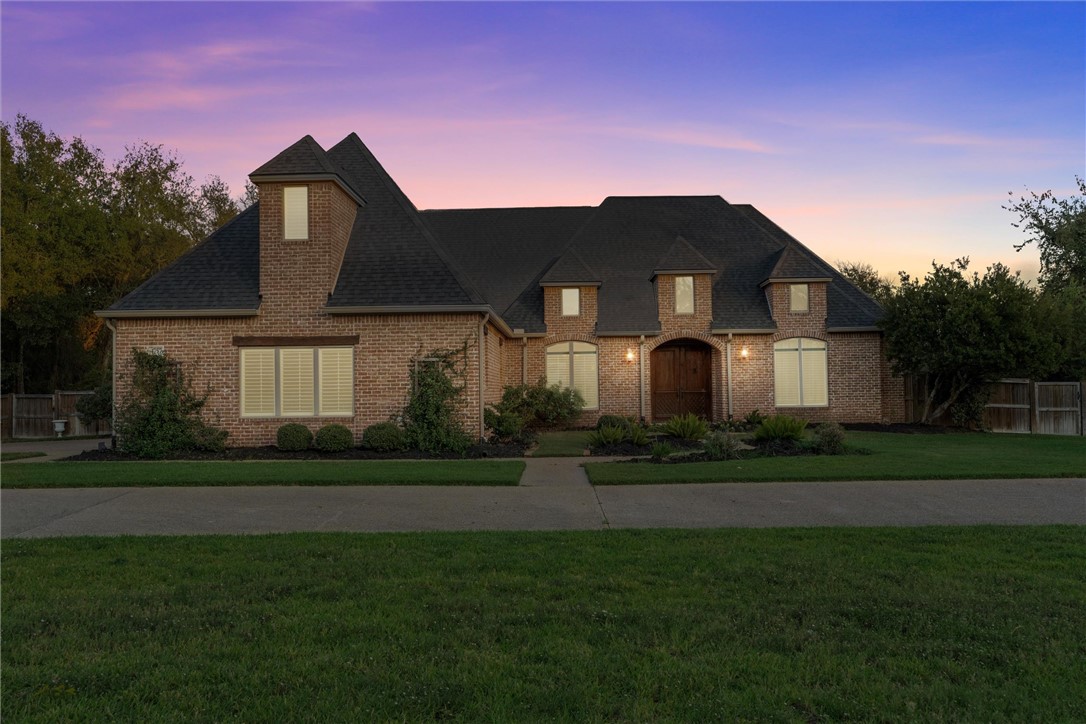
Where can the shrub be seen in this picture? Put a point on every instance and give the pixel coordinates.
(721, 446)
(639, 436)
(661, 450)
(829, 439)
(968, 411)
(162, 415)
(606, 435)
(540, 406)
(384, 437)
(754, 418)
(686, 427)
(333, 438)
(437, 380)
(780, 427)
(613, 421)
(293, 437)
(96, 406)
(505, 426)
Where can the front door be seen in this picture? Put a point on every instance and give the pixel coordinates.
(682, 379)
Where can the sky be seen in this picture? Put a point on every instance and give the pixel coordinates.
(884, 133)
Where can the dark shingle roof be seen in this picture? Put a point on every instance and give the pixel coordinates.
(303, 158)
(221, 272)
(570, 269)
(682, 257)
(392, 258)
(793, 263)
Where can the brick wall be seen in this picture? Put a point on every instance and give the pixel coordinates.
(584, 323)
(702, 318)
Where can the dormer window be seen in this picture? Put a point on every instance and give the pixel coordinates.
(571, 302)
(800, 298)
(295, 212)
(684, 295)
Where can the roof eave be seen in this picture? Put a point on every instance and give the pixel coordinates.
(428, 309)
(571, 284)
(868, 328)
(658, 272)
(173, 313)
(299, 177)
(794, 280)
(736, 330)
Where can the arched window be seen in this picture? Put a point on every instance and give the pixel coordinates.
(576, 365)
(801, 372)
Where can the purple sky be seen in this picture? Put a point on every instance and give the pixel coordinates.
(883, 132)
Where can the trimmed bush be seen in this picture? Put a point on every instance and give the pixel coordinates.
(504, 426)
(606, 435)
(686, 427)
(293, 437)
(722, 446)
(541, 406)
(333, 438)
(661, 450)
(780, 427)
(97, 406)
(829, 439)
(384, 437)
(639, 436)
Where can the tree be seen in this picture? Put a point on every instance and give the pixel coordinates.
(1058, 227)
(867, 278)
(965, 333)
(218, 206)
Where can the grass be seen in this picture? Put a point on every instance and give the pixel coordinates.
(571, 443)
(8, 456)
(893, 457)
(938, 624)
(293, 472)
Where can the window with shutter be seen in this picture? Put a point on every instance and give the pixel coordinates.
(336, 380)
(258, 382)
(576, 365)
(800, 297)
(800, 373)
(296, 212)
(684, 295)
(295, 381)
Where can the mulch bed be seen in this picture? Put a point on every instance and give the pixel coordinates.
(273, 453)
(905, 428)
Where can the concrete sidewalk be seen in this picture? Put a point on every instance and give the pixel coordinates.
(554, 495)
(53, 449)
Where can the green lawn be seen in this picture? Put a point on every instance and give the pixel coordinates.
(6, 456)
(566, 444)
(934, 624)
(894, 457)
(292, 472)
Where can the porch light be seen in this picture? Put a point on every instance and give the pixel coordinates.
(629, 355)
(745, 352)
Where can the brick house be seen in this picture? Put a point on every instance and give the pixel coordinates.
(312, 306)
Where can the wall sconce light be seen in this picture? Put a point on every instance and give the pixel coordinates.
(629, 355)
(745, 352)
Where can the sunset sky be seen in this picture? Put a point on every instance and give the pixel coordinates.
(878, 132)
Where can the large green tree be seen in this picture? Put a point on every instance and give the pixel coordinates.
(77, 234)
(867, 278)
(966, 331)
(1058, 227)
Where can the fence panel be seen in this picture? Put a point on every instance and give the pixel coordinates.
(65, 409)
(5, 416)
(26, 416)
(1059, 408)
(1009, 409)
(32, 416)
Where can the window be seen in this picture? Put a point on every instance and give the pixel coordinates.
(801, 374)
(684, 295)
(296, 212)
(571, 302)
(297, 381)
(800, 301)
(576, 365)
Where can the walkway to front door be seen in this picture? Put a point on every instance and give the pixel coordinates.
(682, 379)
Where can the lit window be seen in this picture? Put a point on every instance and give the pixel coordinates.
(800, 298)
(296, 212)
(297, 381)
(576, 365)
(571, 302)
(684, 295)
(800, 373)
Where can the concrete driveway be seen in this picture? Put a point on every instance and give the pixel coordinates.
(554, 495)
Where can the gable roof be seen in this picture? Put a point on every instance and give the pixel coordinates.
(499, 259)
(218, 277)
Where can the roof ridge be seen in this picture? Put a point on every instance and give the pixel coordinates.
(507, 208)
(413, 213)
(681, 243)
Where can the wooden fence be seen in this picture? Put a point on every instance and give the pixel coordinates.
(27, 416)
(1047, 408)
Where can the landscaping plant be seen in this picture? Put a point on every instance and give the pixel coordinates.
(293, 437)
(606, 436)
(384, 437)
(662, 450)
(638, 435)
(96, 406)
(504, 426)
(829, 439)
(333, 438)
(430, 419)
(162, 416)
(688, 427)
(721, 446)
(613, 421)
(780, 427)
(541, 406)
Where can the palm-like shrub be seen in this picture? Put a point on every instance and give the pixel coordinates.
(721, 446)
(606, 435)
(686, 427)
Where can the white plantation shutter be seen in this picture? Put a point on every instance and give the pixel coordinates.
(813, 372)
(258, 382)
(295, 381)
(684, 295)
(558, 365)
(800, 301)
(586, 374)
(336, 380)
(571, 302)
(786, 371)
(296, 212)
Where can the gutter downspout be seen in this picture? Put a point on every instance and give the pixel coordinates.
(112, 382)
(728, 347)
(482, 375)
(641, 375)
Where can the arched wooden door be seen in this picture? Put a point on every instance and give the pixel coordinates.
(682, 379)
